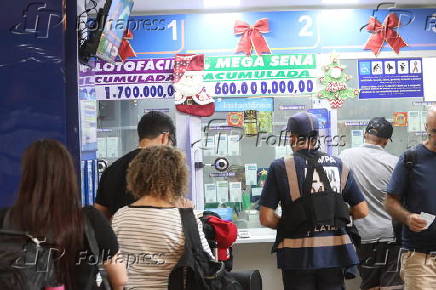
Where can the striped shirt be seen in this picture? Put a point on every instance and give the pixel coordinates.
(151, 241)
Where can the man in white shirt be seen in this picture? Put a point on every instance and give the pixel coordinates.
(372, 166)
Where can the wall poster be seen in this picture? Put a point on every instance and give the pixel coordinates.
(391, 78)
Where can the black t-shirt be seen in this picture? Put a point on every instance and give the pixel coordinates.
(112, 189)
(106, 240)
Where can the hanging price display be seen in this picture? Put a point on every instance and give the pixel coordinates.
(263, 87)
(129, 91)
(290, 74)
(135, 79)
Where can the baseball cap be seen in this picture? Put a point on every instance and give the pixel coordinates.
(380, 127)
(303, 124)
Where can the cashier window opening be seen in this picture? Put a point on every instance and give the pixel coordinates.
(154, 128)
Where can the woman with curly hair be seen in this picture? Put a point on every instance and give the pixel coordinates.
(149, 231)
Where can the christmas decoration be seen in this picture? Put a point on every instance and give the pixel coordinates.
(190, 94)
(400, 119)
(335, 87)
(384, 32)
(252, 36)
(126, 50)
(235, 119)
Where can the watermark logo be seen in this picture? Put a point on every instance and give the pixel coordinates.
(213, 137)
(128, 259)
(39, 258)
(37, 20)
(430, 24)
(405, 17)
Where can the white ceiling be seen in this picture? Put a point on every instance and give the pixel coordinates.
(174, 6)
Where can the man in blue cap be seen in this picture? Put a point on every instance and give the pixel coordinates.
(312, 245)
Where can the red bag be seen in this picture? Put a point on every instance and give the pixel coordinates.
(225, 235)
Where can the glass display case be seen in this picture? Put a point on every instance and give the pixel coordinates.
(237, 149)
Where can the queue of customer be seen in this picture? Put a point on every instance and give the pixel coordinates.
(319, 194)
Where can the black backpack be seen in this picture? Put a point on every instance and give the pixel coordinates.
(195, 270)
(410, 159)
(26, 262)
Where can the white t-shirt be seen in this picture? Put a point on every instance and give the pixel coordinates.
(151, 241)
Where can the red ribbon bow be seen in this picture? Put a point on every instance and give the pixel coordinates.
(252, 36)
(125, 50)
(384, 32)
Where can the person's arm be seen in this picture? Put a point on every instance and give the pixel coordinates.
(104, 210)
(116, 271)
(360, 210)
(269, 200)
(107, 242)
(268, 217)
(104, 198)
(398, 212)
(397, 187)
(354, 197)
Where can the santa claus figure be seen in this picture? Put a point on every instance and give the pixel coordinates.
(190, 94)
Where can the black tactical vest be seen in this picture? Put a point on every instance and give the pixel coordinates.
(310, 210)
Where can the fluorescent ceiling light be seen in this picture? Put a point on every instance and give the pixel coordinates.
(339, 1)
(221, 3)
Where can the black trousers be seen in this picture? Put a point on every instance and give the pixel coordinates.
(379, 266)
(322, 279)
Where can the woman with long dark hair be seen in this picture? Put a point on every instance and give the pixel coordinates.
(48, 205)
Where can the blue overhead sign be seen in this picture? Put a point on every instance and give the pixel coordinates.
(310, 31)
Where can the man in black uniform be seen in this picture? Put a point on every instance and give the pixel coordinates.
(154, 128)
(312, 245)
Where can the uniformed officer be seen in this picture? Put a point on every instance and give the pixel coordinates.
(313, 189)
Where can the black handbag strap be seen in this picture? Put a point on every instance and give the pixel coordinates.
(193, 243)
(90, 236)
(190, 228)
(93, 245)
(410, 160)
(6, 220)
